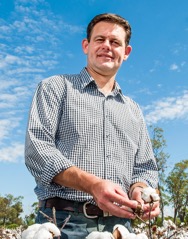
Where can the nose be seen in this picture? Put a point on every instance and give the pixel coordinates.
(106, 44)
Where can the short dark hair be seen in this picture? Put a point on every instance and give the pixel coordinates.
(112, 18)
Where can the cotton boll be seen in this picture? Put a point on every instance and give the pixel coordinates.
(155, 197)
(166, 224)
(132, 236)
(46, 230)
(100, 235)
(149, 194)
(169, 224)
(43, 233)
(52, 228)
(30, 231)
(28, 234)
(122, 231)
(141, 236)
(34, 227)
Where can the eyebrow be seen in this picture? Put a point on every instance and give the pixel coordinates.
(101, 36)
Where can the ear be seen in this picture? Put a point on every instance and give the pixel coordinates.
(85, 44)
(128, 50)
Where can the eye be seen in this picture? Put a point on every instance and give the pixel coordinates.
(115, 43)
(99, 39)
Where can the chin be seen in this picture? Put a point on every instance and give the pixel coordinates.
(108, 68)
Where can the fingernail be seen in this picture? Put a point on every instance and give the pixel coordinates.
(135, 203)
(129, 209)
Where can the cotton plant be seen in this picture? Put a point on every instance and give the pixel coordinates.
(100, 235)
(119, 232)
(46, 230)
(149, 195)
(168, 224)
(10, 233)
(49, 230)
(169, 231)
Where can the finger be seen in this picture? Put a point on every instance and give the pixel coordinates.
(151, 214)
(123, 211)
(128, 209)
(118, 210)
(149, 206)
(124, 201)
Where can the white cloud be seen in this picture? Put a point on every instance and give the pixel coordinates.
(24, 70)
(29, 1)
(174, 67)
(24, 49)
(12, 154)
(183, 63)
(6, 84)
(170, 108)
(7, 125)
(32, 39)
(8, 97)
(13, 96)
(32, 29)
(4, 28)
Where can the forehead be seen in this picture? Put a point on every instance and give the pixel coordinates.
(108, 29)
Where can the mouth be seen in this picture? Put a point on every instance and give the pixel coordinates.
(107, 56)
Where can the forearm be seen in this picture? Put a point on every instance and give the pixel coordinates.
(107, 195)
(76, 178)
(42, 156)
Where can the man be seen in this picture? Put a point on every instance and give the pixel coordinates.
(87, 144)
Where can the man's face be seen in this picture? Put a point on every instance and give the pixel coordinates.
(106, 49)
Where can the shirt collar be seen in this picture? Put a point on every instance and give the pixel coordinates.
(86, 79)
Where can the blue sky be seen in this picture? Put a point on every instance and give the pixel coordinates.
(40, 38)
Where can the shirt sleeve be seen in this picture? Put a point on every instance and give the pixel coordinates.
(42, 157)
(145, 167)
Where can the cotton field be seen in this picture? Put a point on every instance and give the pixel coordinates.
(143, 231)
(49, 231)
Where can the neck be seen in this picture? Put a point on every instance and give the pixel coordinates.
(105, 83)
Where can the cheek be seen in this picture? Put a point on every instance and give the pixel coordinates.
(91, 50)
(119, 54)
(122, 57)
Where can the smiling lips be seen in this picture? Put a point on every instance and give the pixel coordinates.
(105, 56)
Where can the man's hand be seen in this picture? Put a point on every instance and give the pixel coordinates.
(150, 210)
(111, 198)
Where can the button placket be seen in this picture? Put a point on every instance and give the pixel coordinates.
(107, 140)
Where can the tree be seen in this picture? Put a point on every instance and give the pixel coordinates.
(30, 219)
(158, 144)
(10, 210)
(177, 183)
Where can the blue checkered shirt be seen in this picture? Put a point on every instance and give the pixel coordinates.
(71, 123)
